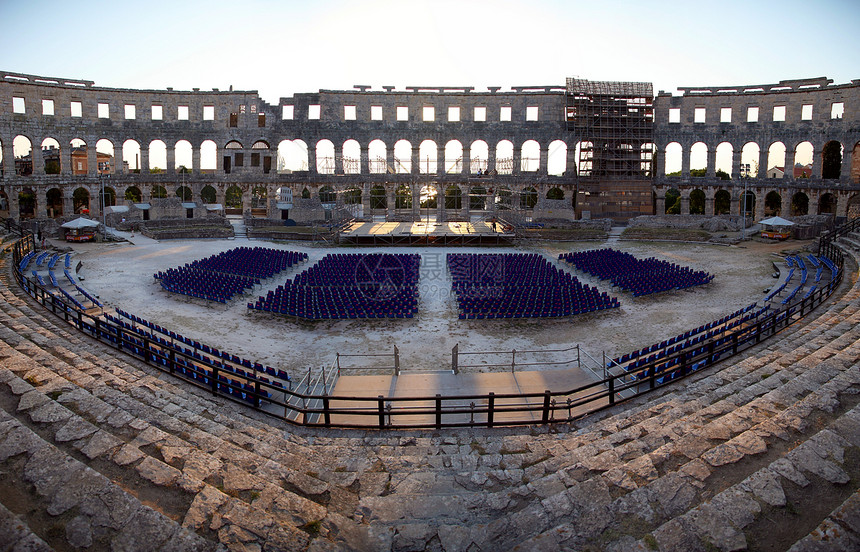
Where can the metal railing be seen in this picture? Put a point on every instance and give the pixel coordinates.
(310, 403)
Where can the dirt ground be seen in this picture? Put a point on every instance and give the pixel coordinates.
(122, 275)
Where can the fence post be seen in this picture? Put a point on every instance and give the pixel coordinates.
(735, 343)
(455, 360)
(173, 361)
(513, 360)
(711, 352)
(326, 413)
(380, 401)
(256, 393)
(611, 390)
(491, 405)
(337, 359)
(119, 338)
(546, 399)
(438, 411)
(396, 361)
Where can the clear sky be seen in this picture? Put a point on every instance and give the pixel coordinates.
(283, 47)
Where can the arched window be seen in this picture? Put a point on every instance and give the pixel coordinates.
(131, 155)
(674, 154)
(51, 156)
(453, 197)
(831, 160)
(81, 201)
(699, 159)
(403, 157)
(54, 202)
(723, 166)
(403, 197)
(799, 204)
(584, 153)
(673, 202)
(479, 155)
(749, 160)
(292, 156)
(105, 157)
(378, 199)
(556, 160)
(697, 202)
(182, 161)
(23, 151)
(80, 163)
(208, 157)
(377, 157)
(827, 204)
(722, 203)
(184, 193)
(325, 157)
(803, 155)
(207, 194)
(646, 159)
(233, 198)
(772, 204)
(528, 198)
(158, 192)
(157, 156)
(454, 157)
(133, 194)
(530, 156)
(504, 157)
(327, 195)
(427, 157)
(351, 157)
(776, 160)
(555, 193)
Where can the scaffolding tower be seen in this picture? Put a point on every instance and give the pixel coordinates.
(614, 124)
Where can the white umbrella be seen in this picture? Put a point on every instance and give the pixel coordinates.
(80, 223)
(776, 221)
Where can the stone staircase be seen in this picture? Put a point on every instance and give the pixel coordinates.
(240, 232)
(100, 451)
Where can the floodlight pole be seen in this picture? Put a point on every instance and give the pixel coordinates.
(744, 207)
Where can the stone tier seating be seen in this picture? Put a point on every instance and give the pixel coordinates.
(98, 450)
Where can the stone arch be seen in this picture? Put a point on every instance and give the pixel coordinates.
(78, 156)
(81, 201)
(182, 157)
(105, 157)
(673, 202)
(772, 204)
(747, 203)
(530, 156)
(453, 197)
(292, 156)
(504, 198)
(776, 160)
(453, 157)
(528, 197)
(133, 194)
(327, 195)
(233, 198)
(853, 207)
(699, 159)
(556, 158)
(799, 204)
(403, 157)
(750, 154)
(107, 197)
(306, 194)
(427, 196)
(351, 157)
(674, 154)
(54, 202)
(260, 199)
(158, 192)
(477, 198)
(697, 202)
(208, 157)
(855, 164)
(722, 202)
(26, 203)
(51, 156)
(555, 193)
(23, 151)
(827, 204)
(4, 203)
(479, 157)
(184, 193)
(208, 194)
(157, 156)
(803, 159)
(427, 153)
(352, 195)
(131, 155)
(831, 160)
(504, 157)
(403, 197)
(325, 157)
(377, 154)
(723, 160)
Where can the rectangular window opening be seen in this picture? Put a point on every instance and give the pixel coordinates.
(480, 114)
(208, 112)
(699, 115)
(255, 159)
(837, 110)
(376, 113)
(674, 114)
(104, 111)
(157, 112)
(182, 113)
(287, 112)
(239, 159)
(505, 113)
(428, 113)
(261, 120)
(349, 113)
(129, 112)
(314, 112)
(778, 113)
(806, 112)
(234, 120)
(402, 113)
(532, 113)
(453, 114)
(47, 107)
(752, 114)
(18, 105)
(726, 115)
(77, 109)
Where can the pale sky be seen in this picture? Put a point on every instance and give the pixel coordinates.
(284, 47)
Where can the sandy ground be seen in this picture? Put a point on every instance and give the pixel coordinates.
(122, 275)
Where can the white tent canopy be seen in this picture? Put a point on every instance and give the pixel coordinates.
(81, 223)
(776, 221)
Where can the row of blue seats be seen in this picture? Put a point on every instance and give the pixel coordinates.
(362, 269)
(254, 367)
(638, 276)
(202, 284)
(253, 262)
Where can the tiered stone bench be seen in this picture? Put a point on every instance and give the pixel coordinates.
(99, 451)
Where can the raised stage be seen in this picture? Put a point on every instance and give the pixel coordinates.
(427, 233)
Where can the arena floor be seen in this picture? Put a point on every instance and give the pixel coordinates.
(122, 275)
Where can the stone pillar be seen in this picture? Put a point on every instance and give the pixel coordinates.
(38, 160)
(364, 160)
(759, 206)
(441, 162)
(685, 203)
(440, 202)
(312, 160)
(8, 159)
(144, 160)
(491, 158)
(221, 195)
(14, 207)
(92, 161)
(736, 164)
(845, 171)
(389, 159)
(785, 203)
(416, 159)
(789, 164)
(817, 158)
(467, 161)
(171, 160)
(518, 156)
(338, 159)
(195, 160)
(365, 194)
(842, 204)
(389, 200)
(813, 203)
(685, 161)
(41, 199)
(416, 200)
(711, 169)
(660, 206)
(709, 206)
(544, 160)
(492, 199)
(659, 167)
(735, 204)
(464, 202)
(758, 167)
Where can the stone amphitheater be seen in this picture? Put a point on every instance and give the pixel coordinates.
(101, 452)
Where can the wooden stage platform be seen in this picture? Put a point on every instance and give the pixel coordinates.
(426, 233)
